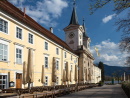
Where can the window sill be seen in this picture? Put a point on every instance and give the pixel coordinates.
(19, 38)
(30, 43)
(4, 32)
(5, 61)
(18, 63)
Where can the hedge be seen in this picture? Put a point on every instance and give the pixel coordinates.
(126, 88)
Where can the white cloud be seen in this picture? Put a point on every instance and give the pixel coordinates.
(44, 11)
(108, 18)
(109, 53)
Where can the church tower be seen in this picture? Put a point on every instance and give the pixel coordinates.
(78, 40)
(86, 39)
(74, 32)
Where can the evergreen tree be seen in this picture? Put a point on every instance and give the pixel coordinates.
(101, 66)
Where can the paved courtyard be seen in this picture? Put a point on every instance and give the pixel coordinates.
(106, 91)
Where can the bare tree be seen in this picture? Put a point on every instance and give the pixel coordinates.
(122, 24)
(128, 61)
(119, 5)
(117, 75)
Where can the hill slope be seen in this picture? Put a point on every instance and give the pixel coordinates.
(111, 69)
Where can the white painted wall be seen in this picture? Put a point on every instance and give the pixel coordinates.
(97, 74)
(77, 40)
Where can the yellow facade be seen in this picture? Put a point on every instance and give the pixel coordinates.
(10, 67)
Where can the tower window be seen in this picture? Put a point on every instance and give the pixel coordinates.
(80, 36)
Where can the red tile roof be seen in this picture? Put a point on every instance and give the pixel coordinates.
(19, 15)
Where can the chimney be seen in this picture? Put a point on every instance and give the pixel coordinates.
(51, 29)
(24, 12)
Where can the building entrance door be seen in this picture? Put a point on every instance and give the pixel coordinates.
(18, 80)
(3, 81)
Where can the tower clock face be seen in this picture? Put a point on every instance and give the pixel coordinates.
(71, 35)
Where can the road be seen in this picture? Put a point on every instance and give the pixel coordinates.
(106, 91)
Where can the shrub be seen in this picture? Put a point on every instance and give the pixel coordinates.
(126, 88)
(100, 83)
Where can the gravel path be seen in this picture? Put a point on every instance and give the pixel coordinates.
(106, 91)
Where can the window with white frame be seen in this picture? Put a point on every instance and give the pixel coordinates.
(3, 81)
(18, 33)
(57, 64)
(46, 80)
(65, 54)
(18, 56)
(46, 62)
(57, 80)
(71, 58)
(3, 52)
(57, 51)
(46, 45)
(3, 26)
(30, 38)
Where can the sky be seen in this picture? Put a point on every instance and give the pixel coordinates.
(100, 26)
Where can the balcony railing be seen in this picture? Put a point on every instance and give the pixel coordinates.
(82, 47)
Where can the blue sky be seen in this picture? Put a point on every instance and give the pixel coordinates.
(100, 26)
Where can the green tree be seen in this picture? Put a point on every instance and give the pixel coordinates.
(123, 24)
(101, 66)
